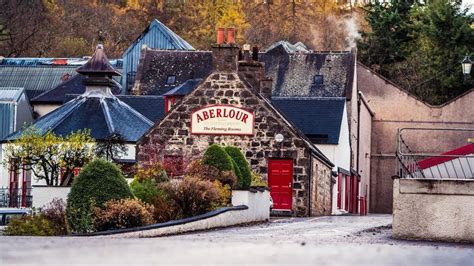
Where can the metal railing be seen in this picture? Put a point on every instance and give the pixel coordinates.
(454, 163)
(15, 198)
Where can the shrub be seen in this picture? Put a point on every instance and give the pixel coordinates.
(216, 156)
(98, 182)
(244, 175)
(145, 190)
(154, 171)
(123, 213)
(164, 209)
(30, 225)
(225, 194)
(55, 213)
(191, 196)
(257, 181)
(208, 172)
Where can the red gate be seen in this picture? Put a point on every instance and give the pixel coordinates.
(280, 180)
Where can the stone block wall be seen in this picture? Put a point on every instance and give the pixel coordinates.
(321, 199)
(172, 135)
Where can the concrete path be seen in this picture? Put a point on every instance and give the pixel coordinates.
(342, 240)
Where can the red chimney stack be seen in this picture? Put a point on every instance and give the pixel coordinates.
(230, 35)
(220, 36)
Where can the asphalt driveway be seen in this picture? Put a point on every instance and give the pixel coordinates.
(341, 240)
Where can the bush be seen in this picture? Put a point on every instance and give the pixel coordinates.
(244, 175)
(216, 156)
(257, 181)
(164, 209)
(191, 196)
(30, 225)
(98, 182)
(208, 172)
(155, 171)
(225, 195)
(145, 190)
(55, 213)
(123, 213)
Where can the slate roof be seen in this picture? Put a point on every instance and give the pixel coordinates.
(293, 71)
(99, 63)
(157, 65)
(150, 106)
(73, 85)
(184, 88)
(319, 118)
(102, 115)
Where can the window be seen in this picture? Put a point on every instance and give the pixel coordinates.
(170, 80)
(169, 103)
(318, 80)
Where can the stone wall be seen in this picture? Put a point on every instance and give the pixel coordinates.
(172, 135)
(321, 194)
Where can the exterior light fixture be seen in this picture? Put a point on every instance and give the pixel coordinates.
(466, 65)
(279, 138)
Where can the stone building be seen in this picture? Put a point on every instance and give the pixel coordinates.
(226, 109)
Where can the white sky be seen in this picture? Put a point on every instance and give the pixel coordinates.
(469, 2)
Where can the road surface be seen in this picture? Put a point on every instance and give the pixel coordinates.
(341, 240)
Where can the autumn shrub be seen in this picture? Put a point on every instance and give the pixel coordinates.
(244, 175)
(225, 194)
(257, 181)
(198, 169)
(122, 213)
(98, 182)
(216, 156)
(154, 171)
(55, 213)
(30, 225)
(191, 196)
(164, 209)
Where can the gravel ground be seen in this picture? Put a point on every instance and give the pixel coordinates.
(341, 240)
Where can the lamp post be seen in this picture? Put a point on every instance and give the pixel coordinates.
(466, 65)
(279, 139)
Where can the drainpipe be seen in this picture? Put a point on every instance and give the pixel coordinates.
(358, 130)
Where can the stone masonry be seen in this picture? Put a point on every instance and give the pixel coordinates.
(172, 137)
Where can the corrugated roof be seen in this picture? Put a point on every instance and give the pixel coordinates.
(167, 39)
(10, 94)
(35, 61)
(103, 115)
(319, 118)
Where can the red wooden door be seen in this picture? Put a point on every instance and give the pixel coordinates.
(280, 180)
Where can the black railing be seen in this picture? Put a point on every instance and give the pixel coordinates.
(15, 198)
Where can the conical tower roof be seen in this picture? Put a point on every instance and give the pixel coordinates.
(98, 64)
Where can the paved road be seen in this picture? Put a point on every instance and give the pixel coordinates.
(342, 240)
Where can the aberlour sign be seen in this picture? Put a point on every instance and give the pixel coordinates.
(222, 120)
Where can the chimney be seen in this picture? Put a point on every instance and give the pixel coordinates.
(251, 70)
(225, 55)
(266, 87)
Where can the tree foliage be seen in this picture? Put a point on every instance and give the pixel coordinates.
(50, 156)
(112, 148)
(419, 46)
(244, 174)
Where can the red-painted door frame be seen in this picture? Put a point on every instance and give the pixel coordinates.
(346, 193)
(339, 191)
(280, 181)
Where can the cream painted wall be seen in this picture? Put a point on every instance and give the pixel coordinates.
(42, 109)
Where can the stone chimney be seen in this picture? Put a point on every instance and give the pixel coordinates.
(99, 73)
(265, 87)
(251, 70)
(225, 54)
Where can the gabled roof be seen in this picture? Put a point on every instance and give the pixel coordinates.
(167, 38)
(293, 73)
(157, 65)
(319, 118)
(102, 115)
(184, 88)
(288, 47)
(10, 94)
(73, 85)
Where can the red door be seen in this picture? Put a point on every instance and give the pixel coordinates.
(280, 179)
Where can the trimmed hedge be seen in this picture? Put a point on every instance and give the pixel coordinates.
(216, 156)
(98, 182)
(244, 175)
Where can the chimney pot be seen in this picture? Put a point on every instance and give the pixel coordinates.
(255, 53)
(220, 36)
(230, 35)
